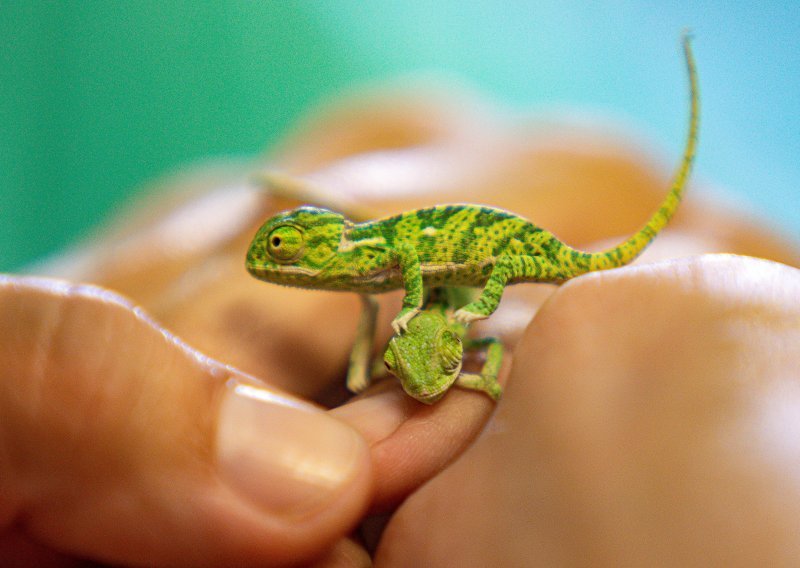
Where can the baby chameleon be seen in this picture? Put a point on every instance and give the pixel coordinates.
(444, 245)
(427, 358)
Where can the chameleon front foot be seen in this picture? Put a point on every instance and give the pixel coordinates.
(400, 323)
(466, 317)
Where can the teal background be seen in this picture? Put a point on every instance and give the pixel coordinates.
(99, 97)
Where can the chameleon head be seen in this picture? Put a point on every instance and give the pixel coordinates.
(426, 358)
(292, 247)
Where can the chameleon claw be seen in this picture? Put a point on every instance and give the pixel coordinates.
(466, 317)
(400, 323)
(357, 383)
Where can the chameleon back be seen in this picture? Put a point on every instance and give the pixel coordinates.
(457, 243)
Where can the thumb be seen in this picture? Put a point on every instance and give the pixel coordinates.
(121, 444)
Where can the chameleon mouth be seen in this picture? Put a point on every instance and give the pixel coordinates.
(291, 272)
(429, 396)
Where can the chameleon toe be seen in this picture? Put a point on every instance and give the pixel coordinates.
(466, 317)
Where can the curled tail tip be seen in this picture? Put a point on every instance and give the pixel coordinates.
(687, 37)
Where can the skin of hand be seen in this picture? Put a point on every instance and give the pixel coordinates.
(651, 418)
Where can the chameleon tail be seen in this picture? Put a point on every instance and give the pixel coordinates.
(627, 251)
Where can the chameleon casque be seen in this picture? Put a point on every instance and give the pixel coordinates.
(442, 246)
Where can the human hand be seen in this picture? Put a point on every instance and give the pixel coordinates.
(650, 419)
(119, 443)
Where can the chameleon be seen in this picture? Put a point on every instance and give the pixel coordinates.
(427, 358)
(444, 245)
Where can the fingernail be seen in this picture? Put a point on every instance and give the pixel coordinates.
(287, 457)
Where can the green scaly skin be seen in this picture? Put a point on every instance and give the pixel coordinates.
(427, 357)
(445, 245)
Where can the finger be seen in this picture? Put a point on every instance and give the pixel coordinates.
(411, 442)
(120, 443)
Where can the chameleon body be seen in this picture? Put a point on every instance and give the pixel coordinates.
(444, 245)
(427, 358)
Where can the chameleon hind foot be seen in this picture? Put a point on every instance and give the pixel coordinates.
(486, 381)
(466, 317)
(483, 383)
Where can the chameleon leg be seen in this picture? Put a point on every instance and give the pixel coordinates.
(412, 283)
(507, 268)
(358, 372)
(486, 381)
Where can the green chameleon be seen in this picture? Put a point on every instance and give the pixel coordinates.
(427, 358)
(444, 245)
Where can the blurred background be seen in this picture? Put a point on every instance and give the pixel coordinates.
(97, 98)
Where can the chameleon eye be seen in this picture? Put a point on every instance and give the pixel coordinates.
(450, 350)
(389, 360)
(285, 244)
